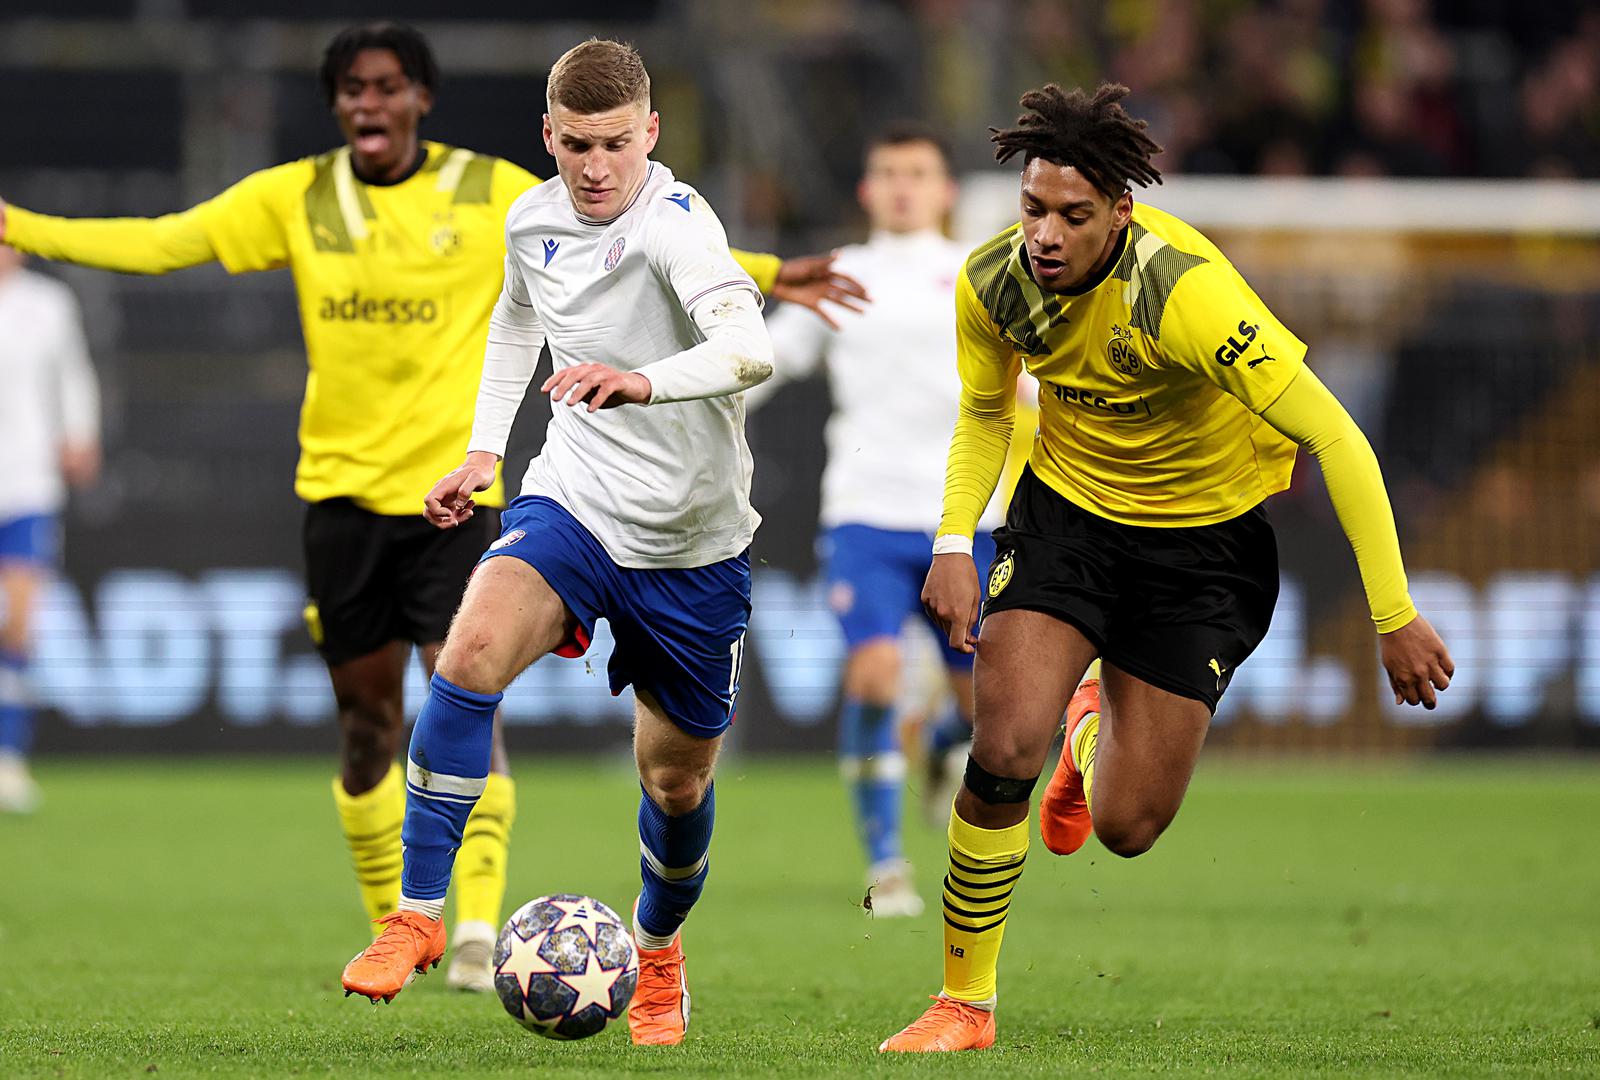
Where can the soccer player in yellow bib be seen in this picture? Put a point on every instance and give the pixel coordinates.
(1171, 404)
(397, 246)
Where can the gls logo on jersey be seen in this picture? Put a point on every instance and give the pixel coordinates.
(1233, 348)
(369, 309)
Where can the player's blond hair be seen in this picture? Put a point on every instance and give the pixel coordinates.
(598, 76)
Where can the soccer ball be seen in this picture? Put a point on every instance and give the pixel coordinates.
(565, 966)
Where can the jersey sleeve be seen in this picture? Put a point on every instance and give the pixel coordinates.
(799, 341)
(687, 247)
(247, 223)
(510, 355)
(988, 367)
(1307, 412)
(126, 245)
(1213, 324)
(762, 268)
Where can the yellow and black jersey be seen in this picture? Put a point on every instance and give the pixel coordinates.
(395, 283)
(1151, 376)
(395, 286)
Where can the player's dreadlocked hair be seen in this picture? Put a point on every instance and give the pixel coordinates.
(1094, 135)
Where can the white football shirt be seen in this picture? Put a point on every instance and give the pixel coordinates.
(48, 392)
(892, 373)
(662, 485)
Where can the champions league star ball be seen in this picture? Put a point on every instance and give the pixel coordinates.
(565, 966)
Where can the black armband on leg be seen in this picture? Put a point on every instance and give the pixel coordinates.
(994, 789)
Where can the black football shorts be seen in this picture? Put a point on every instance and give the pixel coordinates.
(1180, 608)
(376, 578)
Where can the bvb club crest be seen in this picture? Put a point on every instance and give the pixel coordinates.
(1120, 350)
(1000, 576)
(445, 238)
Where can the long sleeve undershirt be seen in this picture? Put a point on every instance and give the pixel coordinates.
(1308, 413)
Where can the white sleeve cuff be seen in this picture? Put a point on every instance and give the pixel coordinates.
(952, 544)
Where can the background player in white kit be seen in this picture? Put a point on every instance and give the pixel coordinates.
(891, 370)
(640, 516)
(49, 437)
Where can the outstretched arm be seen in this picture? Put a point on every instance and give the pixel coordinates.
(1415, 658)
(129, 245)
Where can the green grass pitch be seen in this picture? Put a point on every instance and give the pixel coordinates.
(1299, 919)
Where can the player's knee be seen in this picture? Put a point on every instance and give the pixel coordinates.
(872, 673)
(470, 661)
(370, 734)
(1129, 837)
(1007, 756)
(673, 788)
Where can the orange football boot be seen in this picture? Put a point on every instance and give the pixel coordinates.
(409, 944)
(658, 1015)
(947, 1025)
(1064, 822)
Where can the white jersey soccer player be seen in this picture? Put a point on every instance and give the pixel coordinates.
(49, 437)
(638, 514)
(892, 372)
(662, 487)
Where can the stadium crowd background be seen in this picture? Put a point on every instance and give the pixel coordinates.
(1473, 362)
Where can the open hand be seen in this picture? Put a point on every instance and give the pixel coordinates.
(599, 386)
(811, 279)
(1417, 662)
(953, 600)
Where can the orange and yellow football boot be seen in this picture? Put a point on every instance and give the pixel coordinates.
(1064, 822)
(658, 1015)
(409, 944)
(947, 1025)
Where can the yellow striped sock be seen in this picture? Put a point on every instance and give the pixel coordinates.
(480, 874)
(371, 823)
(984, 867)
(1085, 740)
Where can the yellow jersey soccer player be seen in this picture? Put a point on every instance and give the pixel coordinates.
(1171, 404)
(397, 247)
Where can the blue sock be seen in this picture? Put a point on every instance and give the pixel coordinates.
(445, 772)
(673, 863)
(952, 729)
(16, 712)
(876, 770)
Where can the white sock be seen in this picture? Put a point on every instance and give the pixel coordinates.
(987, 1004)
(473, 930)
(433, 909)
(647, 940)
